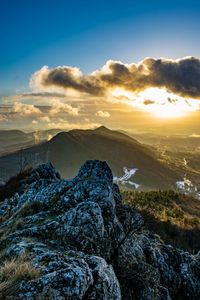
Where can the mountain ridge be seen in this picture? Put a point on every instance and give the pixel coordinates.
(119, 150)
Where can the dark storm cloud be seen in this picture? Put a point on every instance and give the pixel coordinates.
(67, 78)
(180, 76)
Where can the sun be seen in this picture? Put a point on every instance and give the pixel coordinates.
(167, 105)
(159, 102)
(167, 112)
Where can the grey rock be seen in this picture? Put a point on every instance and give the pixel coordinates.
(87, 244)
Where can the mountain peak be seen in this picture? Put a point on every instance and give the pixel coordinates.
(102, 128)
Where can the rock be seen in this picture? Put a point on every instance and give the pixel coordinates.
(95, 170)
(44, 171)
(87, 244)
(67, 278)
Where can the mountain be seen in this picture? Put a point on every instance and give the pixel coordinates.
(68, 150)
(178, 142)
(9, 137)
(13, 140)
(118, 149)
(75, 239)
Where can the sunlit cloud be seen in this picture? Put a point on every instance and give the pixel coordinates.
(116, 94)
(194, 135)
(57, 106)
(45, 119)
(3, 118)
(164, 104)
(179, 76)
(26, 109)
(163, 87)
(64, 124)
(158, 102)
(102, 114)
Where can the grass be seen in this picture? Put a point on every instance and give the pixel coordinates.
(13, 272)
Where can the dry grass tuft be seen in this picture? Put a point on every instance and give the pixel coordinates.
(13, 272)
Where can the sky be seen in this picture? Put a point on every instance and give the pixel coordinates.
(93, 39)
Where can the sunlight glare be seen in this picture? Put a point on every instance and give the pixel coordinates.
(159, 102)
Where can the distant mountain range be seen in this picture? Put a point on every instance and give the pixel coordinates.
(176, 142)
(12, 140)
(68, 150)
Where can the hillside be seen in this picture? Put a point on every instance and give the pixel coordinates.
(174, 216)
(68, 150)
(180, 152)
(14, 140)
(75, 239)
(116, 148)
(12, 137)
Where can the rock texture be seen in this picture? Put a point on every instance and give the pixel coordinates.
(87, 244)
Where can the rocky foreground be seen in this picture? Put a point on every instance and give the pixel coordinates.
(76, 240)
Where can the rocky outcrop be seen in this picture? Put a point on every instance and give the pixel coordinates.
(87, 244)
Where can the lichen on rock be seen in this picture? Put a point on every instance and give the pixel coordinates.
(87, 244)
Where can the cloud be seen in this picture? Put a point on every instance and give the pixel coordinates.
(58, 106)
(3, 118)
(26, 109)
(38, 98)
(102, 114)
(181, 76)
(64, 77)
(42, 94)
(63, 124)
(45, 119)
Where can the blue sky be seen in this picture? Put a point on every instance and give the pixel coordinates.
(88, 33)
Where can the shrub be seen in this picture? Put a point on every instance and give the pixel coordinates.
(12, 185)
(170, 214)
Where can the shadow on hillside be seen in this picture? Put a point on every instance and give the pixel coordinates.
(184, 238)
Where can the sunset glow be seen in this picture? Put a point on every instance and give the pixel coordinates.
(158, 102)
(167, 105)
